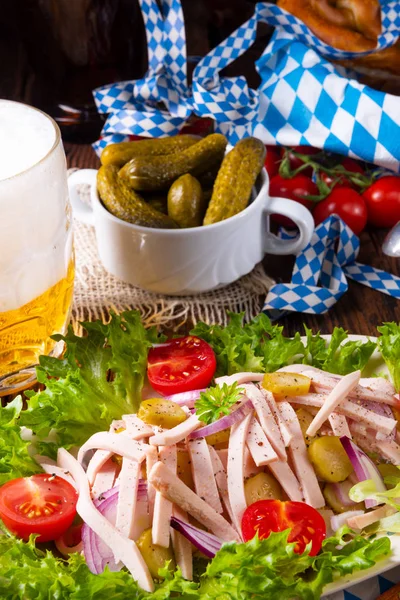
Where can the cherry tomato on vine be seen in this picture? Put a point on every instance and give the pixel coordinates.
(383, 202)
(267, 516)
(272, 160)
(296, 162)
(348, 204)
(297, 188)
(43, 504)
(181, 365)
(342, 180)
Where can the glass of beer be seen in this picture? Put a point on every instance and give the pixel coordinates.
(36, 253)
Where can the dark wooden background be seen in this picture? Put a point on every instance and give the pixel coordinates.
(54, 52)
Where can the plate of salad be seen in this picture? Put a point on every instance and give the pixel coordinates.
(231, 463)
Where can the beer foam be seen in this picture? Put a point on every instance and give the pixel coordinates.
(26, 136)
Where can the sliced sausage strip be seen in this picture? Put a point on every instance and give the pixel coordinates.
(339, 425)
(182, 547)
(151, 459)
(172, 488)
(203, 473)
(287, 479)
(115, 443)
(333, 400)
(221, 479)
(124, 549)
(236, 448)
(176, 434)
(266, 419)
(298, 453)
(127, 496)
(259, 446)
(162, 506)
(136, 428)
(104, 479)
(350, 409)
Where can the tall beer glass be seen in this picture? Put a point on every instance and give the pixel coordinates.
(36, 255)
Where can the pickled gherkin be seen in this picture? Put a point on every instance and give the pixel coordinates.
(120, 154)
(155, 556)
(186, 201)
(151, 173)
(126, 204)
(157, 201)
(161, 412)
(329, 459)
(235, 180)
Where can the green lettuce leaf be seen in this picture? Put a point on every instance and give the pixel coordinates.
(389, 346)
(337, 357)
(271, 569)
(15, 460)
(258, 569)
(257, 346)
(99, 378)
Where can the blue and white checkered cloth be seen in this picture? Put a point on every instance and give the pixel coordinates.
(303, 98)
(321, 270)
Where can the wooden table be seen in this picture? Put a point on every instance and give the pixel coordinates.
(360, 310)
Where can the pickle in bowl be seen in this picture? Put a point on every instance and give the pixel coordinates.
(126, 204)
(235, 180)
(121, 153)
(144, 173)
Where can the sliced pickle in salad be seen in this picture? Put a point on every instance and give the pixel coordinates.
(335, 500)
(286, 384)
(305, 419)
(155, 556)
(161, 412)
(329, 459)
(262, 486)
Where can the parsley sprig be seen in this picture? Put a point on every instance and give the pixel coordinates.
(216, 402)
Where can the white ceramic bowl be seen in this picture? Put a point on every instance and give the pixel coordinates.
(189, 261)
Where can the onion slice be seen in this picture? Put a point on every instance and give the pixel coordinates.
(341, 491)
(225, 422)
(364, 467)
(96, 552)
(207, 543)
(186, 398)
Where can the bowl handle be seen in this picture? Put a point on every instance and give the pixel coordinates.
(80, 210)
(297, 213)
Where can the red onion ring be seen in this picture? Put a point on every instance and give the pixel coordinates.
(363, 466)
(207, 543)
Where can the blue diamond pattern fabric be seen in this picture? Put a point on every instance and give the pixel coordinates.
(303, 98)
(135, 107)
(321, 270)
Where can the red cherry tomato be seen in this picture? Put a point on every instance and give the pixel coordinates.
(296, 162)
(350, 165)
(295, 189)
(268, 516)
(43, 504)
(181, 365)
(346, 203)
(272, 160)
(383, 202)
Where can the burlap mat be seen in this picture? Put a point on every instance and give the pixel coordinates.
(96, 291)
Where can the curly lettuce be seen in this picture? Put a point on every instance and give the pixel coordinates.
(99, 378)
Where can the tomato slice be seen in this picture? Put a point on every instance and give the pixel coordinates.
(43, 504)
(181, 365)
(268, 516)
